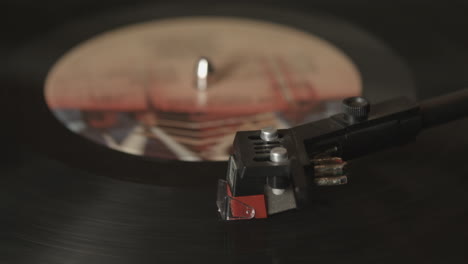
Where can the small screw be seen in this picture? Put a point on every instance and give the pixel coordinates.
(269, 134)
(277, 191)
(279, 154)
(356, 109)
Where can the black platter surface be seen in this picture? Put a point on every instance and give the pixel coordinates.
(65, 199)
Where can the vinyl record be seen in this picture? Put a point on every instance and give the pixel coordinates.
(396, 206)
(67, 199)
(355, 55)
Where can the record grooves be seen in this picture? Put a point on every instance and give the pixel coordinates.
(66, 199)
(376, 83)
(67, 213)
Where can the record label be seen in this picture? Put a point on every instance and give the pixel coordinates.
(137, 89)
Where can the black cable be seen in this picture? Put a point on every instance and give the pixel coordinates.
(445, 108)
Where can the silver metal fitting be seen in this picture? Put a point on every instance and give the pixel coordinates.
(204, 68)
(269, 134)
(279, 154)
(277, 191)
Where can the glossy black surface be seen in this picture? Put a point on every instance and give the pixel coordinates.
(28, 66)
(407, 204)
